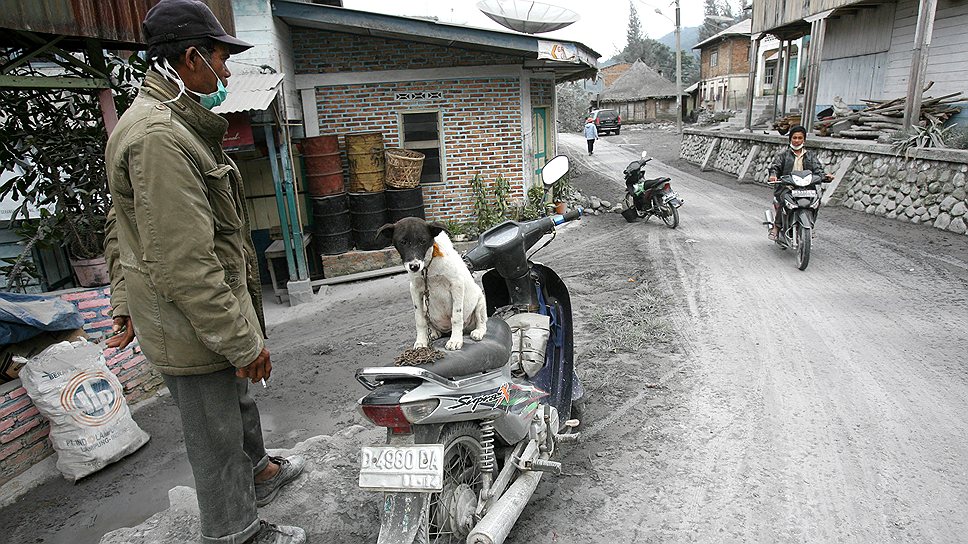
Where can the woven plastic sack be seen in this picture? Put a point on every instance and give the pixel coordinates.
(90, 424)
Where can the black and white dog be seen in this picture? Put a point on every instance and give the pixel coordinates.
(445, 296)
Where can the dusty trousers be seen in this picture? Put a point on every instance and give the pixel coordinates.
(223, 438)
(591, 146)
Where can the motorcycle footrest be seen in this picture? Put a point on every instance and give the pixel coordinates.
(543, 465)
(567, 437)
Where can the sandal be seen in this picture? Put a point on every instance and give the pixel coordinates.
(774, 234)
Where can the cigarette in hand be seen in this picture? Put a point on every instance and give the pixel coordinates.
(264, 386)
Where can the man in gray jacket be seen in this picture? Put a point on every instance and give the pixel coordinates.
(183, 272)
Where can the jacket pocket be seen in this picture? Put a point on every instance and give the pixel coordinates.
(221, 197)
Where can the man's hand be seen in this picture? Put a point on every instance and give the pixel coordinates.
(828, 178)
(122, 332)
(258, 369)
(772, 179)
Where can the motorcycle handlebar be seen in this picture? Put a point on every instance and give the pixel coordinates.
(509, 255)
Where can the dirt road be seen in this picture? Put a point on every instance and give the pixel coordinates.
(819, 406)
(732, 398)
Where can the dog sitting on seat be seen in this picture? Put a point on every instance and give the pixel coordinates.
(445, 296)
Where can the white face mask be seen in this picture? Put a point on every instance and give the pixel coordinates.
(796, 147)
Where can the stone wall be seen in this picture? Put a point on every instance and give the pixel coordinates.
(23, 431)
(929, 187)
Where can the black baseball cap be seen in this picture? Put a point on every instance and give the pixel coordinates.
(176, 20)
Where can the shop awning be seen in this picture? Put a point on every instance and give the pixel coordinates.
(250, 92)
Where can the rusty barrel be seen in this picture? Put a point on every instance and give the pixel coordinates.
(368, 212)
(364, 154)
(404, 203)
(332, 231)
(324, 171)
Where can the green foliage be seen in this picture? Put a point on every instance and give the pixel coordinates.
(53, 141)
(562, 190)
(572, 103)
(492, 202)
(656, 55)
(534, 204)
(932, 135)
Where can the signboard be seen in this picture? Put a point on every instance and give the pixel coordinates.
(561, 52)
(239, 134)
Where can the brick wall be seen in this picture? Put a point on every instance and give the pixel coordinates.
(481, 122)
(322, 52)
(23, 431)
(542, 92)
(481, 117)
(733, 58)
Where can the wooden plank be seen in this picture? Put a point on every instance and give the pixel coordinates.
(360, 276)
(754, 151)
(52, 82)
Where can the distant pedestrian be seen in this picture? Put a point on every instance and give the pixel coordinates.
(591, 134)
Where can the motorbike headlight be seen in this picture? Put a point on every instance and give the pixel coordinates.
(802, 182)
(416, 411)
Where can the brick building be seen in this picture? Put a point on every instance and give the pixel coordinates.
(724, 68)
(473, 101)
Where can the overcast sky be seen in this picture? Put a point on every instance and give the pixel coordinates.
(602, 24)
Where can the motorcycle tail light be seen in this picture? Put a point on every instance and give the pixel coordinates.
(667, 187)
(619, 119)
(390, 416)
(416, 411)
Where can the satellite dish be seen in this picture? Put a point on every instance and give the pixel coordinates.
(526, 16)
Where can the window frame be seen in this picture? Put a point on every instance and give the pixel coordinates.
(425, 144)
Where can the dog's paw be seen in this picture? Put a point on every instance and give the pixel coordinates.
(478, 334)
(455, 344)
(420, 344)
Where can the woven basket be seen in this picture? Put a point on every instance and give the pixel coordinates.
(403, 168)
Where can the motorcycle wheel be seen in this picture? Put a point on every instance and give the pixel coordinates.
(670, 215)
(451, 516)
(803, 247)
(630, 204)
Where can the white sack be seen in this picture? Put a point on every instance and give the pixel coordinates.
(90, 424)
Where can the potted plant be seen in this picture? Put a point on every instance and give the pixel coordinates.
(53, 143)
(560, 193)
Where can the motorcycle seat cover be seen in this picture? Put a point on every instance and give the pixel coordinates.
(492, 351)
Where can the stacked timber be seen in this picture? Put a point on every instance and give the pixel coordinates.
(881, 119)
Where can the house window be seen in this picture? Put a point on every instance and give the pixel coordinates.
(714, 57)
(768, 75)
(420, 131)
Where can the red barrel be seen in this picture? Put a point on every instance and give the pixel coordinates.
(324, 171)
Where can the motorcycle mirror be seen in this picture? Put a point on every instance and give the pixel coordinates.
(645, 155)
(554, 170)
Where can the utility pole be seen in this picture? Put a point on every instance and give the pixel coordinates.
(678, 73)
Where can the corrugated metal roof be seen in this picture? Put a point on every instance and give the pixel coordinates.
(250, 92)
(116, 22)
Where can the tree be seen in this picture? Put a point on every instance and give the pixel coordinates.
(709, 27)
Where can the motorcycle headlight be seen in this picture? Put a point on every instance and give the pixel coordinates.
(802, 182)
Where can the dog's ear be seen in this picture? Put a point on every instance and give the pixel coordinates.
(388, 229)
(436, 228)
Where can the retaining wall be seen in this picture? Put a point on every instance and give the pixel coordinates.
(928, 187)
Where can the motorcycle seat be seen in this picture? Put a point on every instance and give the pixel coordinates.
(651, 183)
(492, 351)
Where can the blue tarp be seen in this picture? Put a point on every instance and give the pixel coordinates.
(24, 316)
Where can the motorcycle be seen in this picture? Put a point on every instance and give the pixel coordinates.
(647, 197)
(470, 435)
(799, 203)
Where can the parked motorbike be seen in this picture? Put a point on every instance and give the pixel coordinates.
(799, 203)
(647, 197)
(470, 435)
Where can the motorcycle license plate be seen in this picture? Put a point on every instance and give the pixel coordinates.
(801, 193)
(403, 468)
(670, 195)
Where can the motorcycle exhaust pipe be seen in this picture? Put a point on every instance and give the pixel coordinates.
(496, 525)
(768, 217)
